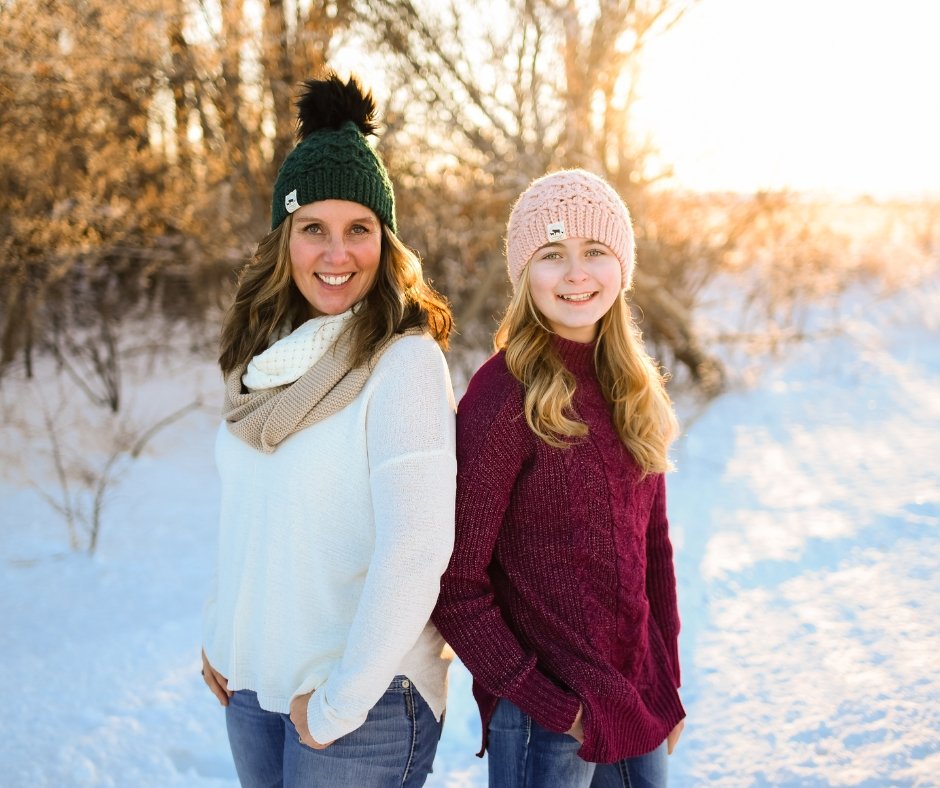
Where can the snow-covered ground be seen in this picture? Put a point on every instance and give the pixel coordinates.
(806, 517)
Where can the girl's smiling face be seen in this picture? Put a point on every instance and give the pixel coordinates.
(335, 250)
(573, 283)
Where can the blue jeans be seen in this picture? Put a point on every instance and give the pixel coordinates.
(395, 746)
(523, 754)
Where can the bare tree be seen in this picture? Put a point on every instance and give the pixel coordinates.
(80, 478)
(484, 103)
(138, 142)
(138, 145)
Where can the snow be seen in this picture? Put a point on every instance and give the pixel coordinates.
(805, 515)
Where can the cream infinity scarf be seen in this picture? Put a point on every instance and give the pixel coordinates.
(294, 353)
(296, 382)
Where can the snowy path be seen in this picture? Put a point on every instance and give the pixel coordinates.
(806, 515)
(809, 516)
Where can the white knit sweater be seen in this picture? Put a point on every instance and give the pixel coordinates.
(331, 549)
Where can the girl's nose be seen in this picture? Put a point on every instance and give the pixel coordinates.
(576, 271)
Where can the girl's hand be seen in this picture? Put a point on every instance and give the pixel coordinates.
(215, 681)
(673, 738)
(298, 716)
(577, 729)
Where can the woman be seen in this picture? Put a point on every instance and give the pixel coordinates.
(336, 458)
(560, 597)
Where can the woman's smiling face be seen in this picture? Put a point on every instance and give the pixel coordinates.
(335, 250)
(574, 283)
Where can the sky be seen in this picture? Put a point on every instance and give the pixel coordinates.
(835, 96)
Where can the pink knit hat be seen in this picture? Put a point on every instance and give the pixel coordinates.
(568, 204)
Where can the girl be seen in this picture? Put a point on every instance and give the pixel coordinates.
(560, 597)
(336, 455)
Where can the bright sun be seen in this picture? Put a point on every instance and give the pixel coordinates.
(837, 96)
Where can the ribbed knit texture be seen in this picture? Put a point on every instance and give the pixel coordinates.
(334, 164)
(561, 589)
(331, 549)
(568, 204)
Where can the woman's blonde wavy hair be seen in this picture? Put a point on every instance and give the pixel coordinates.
(630, 381)
(266, 298)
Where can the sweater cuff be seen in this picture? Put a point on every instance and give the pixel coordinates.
(326, 724)
(548, 704)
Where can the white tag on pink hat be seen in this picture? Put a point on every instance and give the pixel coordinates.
(556, 231)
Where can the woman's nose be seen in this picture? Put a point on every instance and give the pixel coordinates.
(336, 251)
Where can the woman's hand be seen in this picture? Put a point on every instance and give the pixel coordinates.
(298, 716)
(673, 738)
(215, 681)
(577, 729)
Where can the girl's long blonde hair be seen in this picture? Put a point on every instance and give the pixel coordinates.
(266, 298)
(642, 411)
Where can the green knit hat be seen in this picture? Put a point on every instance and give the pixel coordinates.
(333, 160)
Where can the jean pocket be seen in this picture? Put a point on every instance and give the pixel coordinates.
(509, 718)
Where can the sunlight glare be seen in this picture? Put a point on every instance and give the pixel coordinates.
(833, 96)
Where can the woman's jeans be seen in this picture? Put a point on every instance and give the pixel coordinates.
(523, 754)
(395, 746)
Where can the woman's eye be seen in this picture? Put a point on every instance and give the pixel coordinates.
(358, 229)
(312, 228)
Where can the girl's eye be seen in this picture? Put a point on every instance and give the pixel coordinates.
(595, 252)
(551, 256)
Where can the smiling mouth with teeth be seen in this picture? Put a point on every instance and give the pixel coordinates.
(334, 280)
(578, 297)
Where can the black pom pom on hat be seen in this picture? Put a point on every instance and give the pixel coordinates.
(330, 103)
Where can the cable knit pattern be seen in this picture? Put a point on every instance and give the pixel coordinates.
(561, 589)
(568, 204)
(331, 548)
(288, 358)
(334, 164)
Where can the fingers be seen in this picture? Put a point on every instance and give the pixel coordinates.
(315, 744)
(215, 681)
(298, 716)
(673, 739)
(210, 672)
(576, 731)
(218, 685)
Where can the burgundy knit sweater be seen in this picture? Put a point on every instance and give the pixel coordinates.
(561, 588)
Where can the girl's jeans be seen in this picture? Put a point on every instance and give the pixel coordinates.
(523, 754)
(395, 746)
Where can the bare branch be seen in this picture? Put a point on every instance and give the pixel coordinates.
(147, 435)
